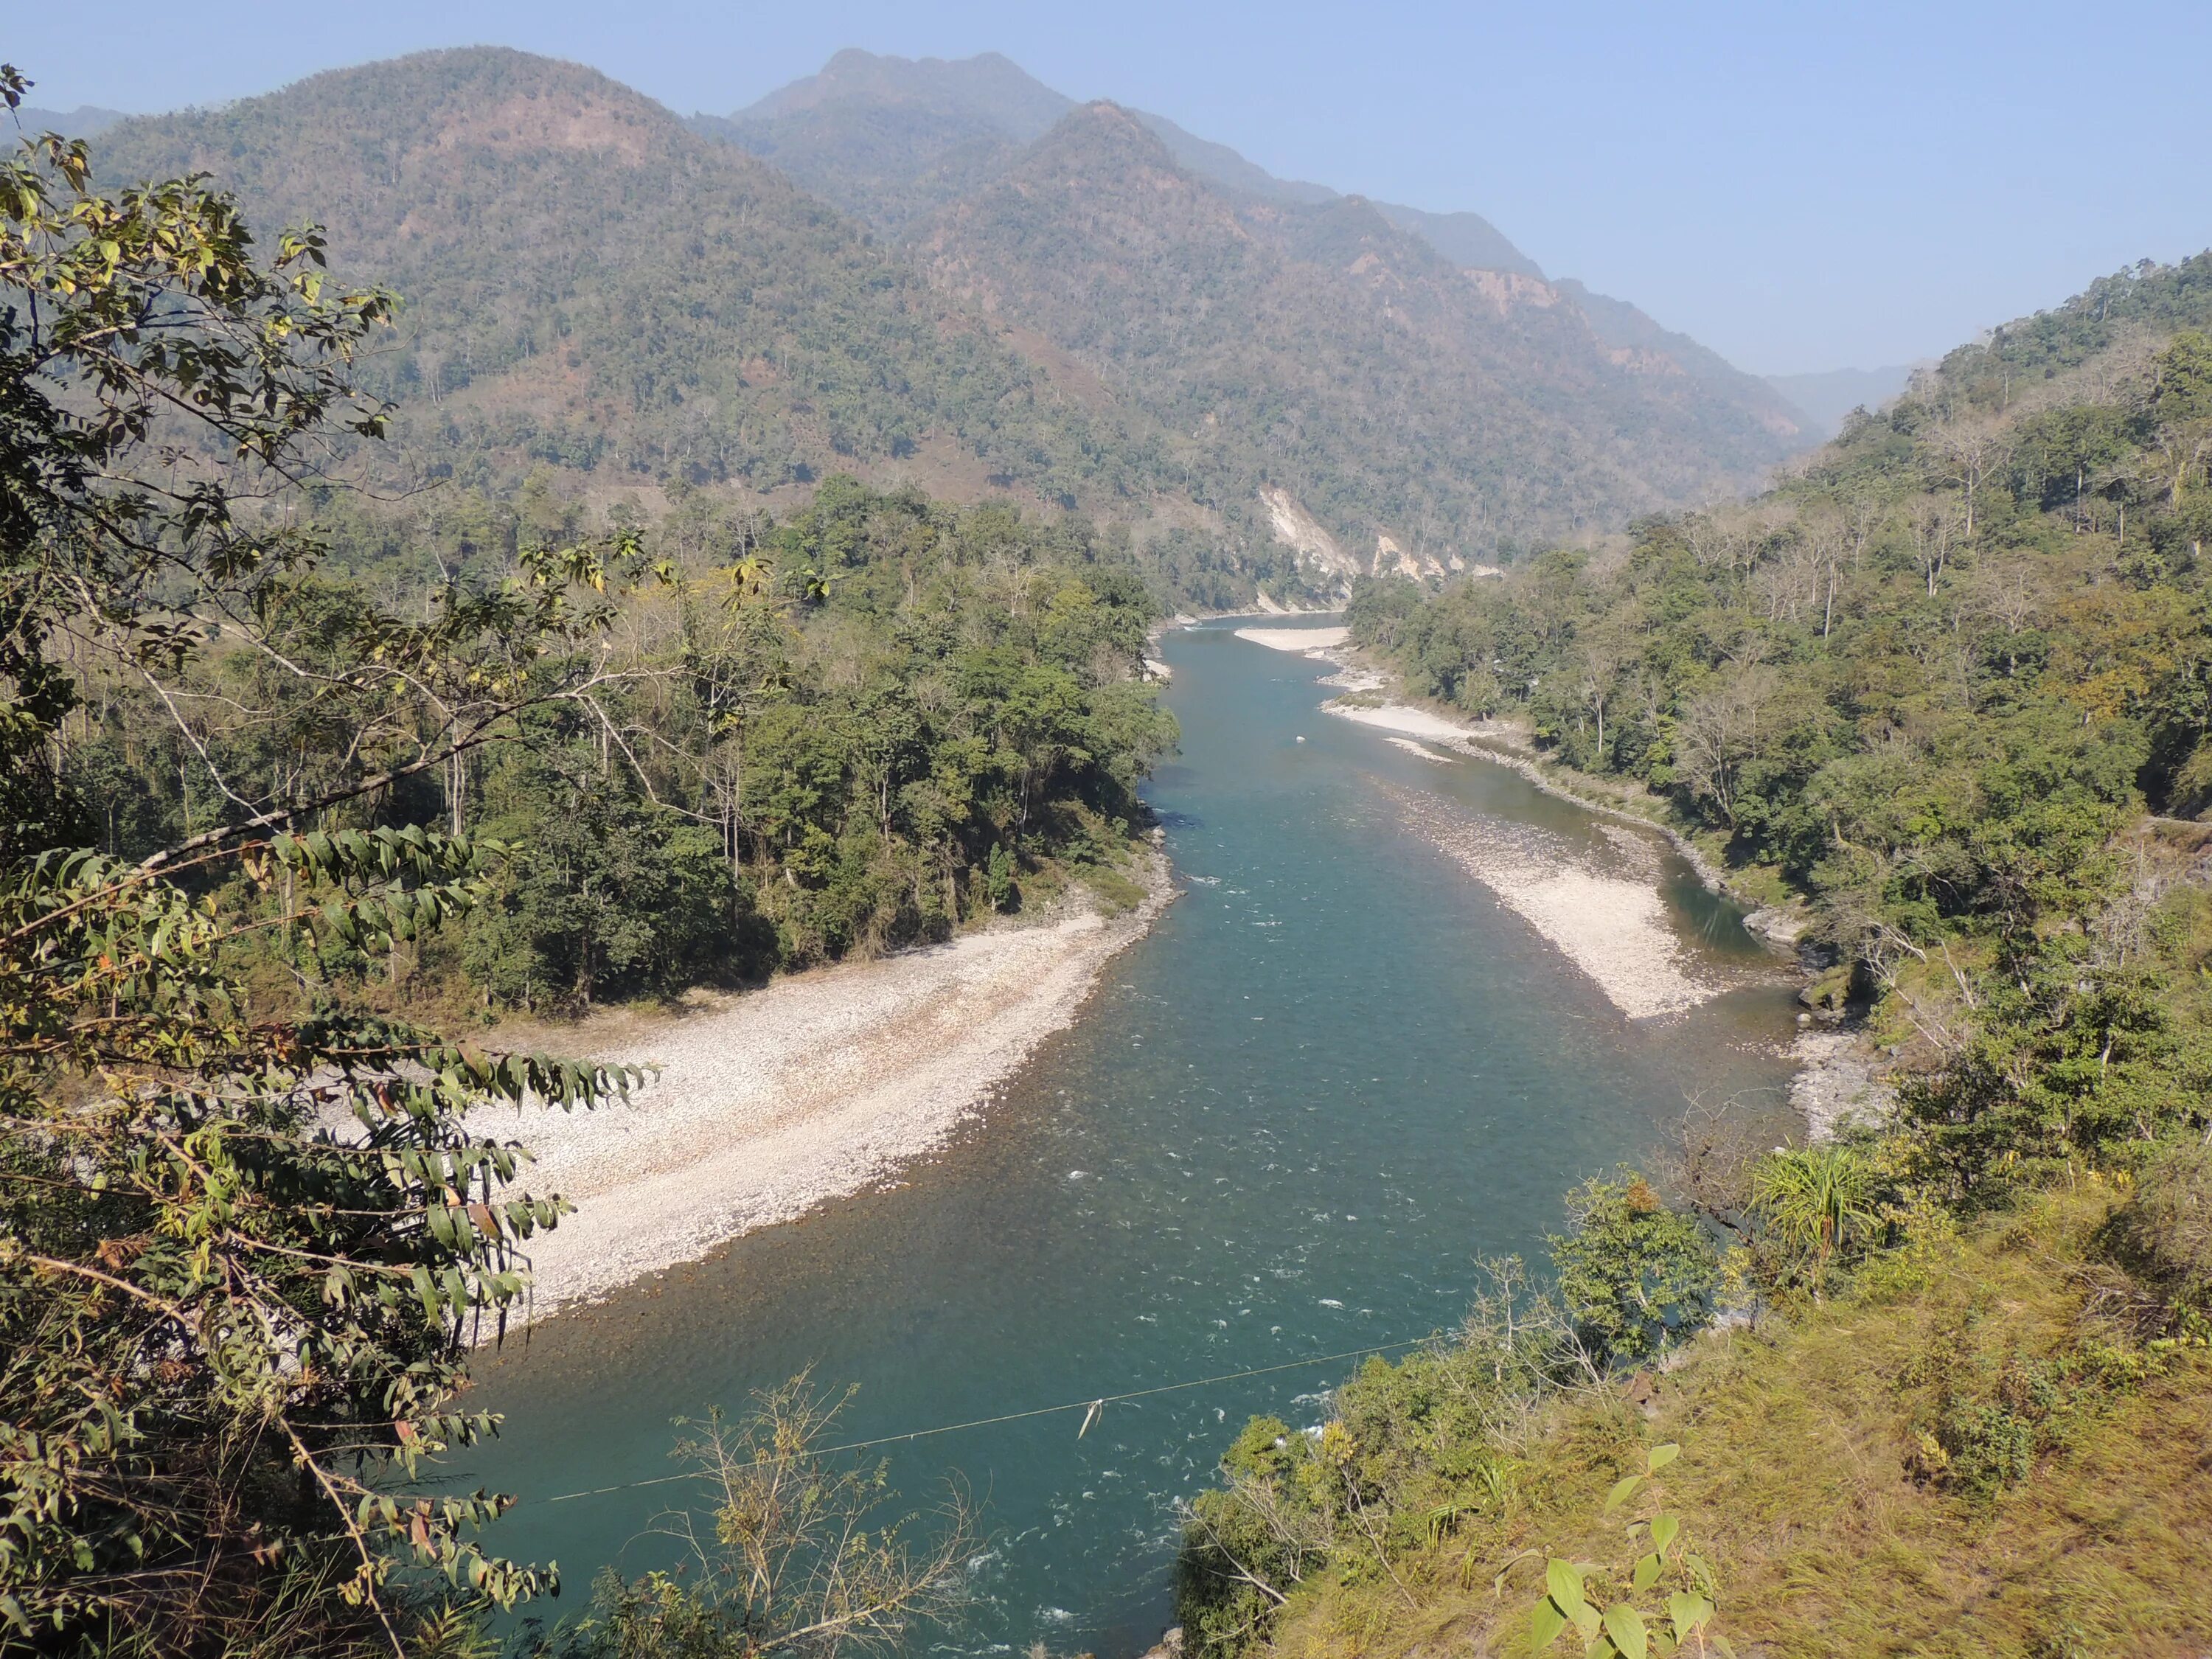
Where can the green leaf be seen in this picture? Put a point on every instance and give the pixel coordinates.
(1625, 1626)
(1662, 1455)
(1688, 1610)
(1545, 1624)
(1564, 1581)
(1621, 1490)
(1665, 1528)
(1647, 1572)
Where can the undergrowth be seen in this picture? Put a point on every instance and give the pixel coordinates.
(1975, 1449)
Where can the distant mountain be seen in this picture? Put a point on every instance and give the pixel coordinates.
(589, 285)
(1827, 396)
(892, 138)
(1406, 403)
(1527, 410)
(82, 122)
(1245, 370)
(990, 88)
(1626, 329)
(1465, 238)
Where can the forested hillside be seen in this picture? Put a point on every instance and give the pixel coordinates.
(1340, 363)
(589, 286)
(1944, 693)
(1323, 350)
(857, 728)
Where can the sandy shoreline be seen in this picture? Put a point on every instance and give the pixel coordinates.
(1614, 930)
(772, 1103)
(1612, 925)
(1296, 639)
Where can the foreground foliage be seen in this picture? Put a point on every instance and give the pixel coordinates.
(242, 1251)
(1962, 1453)
(805, 1554)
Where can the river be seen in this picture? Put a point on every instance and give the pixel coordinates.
(1334, 1074)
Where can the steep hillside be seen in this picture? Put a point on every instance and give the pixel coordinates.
(1323, 350)
(590, 285)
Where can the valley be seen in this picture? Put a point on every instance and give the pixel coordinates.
(923, 871)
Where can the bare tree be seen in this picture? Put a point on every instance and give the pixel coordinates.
(1720, 732)
(2004, 599)
(1600, 657)
(1966, 449)
(1934, 533)
(1791, 582)
(801, 1558)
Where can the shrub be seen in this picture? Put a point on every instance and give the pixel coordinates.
(1634, 1274)
(2166, 1226)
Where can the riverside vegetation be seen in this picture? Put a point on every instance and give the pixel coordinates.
(287, 782)
(1944, 690)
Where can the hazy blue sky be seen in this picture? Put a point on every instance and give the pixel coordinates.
(1800, 186)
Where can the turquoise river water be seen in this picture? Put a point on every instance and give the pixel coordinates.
(1334, 1074)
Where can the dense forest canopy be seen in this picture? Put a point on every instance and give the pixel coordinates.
(791, 739)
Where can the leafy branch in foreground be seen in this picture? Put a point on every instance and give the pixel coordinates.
(1622, 1629)
(241, 1261)
(242, 1255)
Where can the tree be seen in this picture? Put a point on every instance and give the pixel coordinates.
(1634, 1274)
(603, 897)
(1967, 451)
(242, 1255)
(2182, 405)
(1597, 664)
(1718, 734)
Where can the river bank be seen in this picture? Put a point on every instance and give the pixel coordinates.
(768, 1104)
(1598, 905)
(1607, 921)
(1331, 1073)
(1374, 698)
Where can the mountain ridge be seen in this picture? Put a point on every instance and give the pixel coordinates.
(893, 140)
(589, 284)
(596, 286)
(1325, 350)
